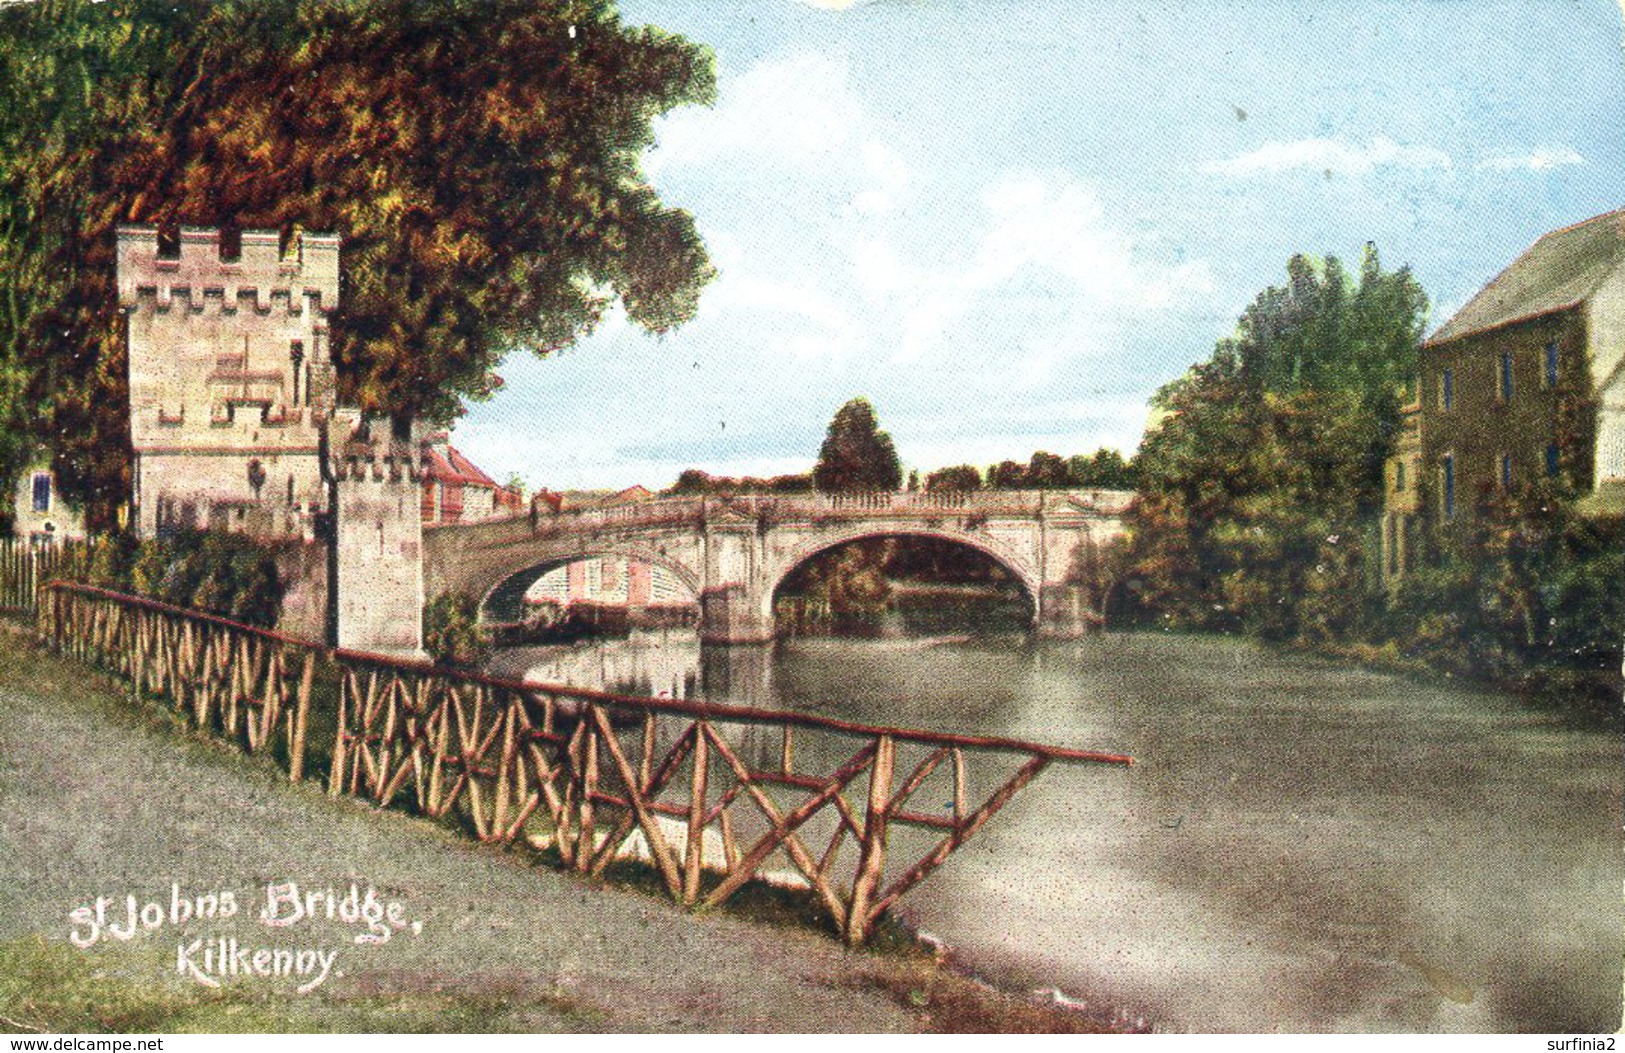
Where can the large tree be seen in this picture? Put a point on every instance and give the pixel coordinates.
(480, 159)
(1266, 462)
(856, 455)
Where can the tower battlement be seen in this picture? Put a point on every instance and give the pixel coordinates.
(392, 462)
(378, 530)
(198, 272)
(231, 377)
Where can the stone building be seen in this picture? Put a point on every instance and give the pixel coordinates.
(377, 560)
(1525, 382)
(231, 380)
(235, 425)
(39, 514)
(456, 490)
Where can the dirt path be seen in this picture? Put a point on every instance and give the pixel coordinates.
(99, 798)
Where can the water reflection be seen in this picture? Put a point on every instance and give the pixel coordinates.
(665, 663)
(1302, 846)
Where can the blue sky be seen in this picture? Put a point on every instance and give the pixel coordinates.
(1008, 223)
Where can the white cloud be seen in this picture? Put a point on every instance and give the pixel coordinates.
(798, 109)
(850, 267)
(1537, 160)
(887, 175)
(1330, 155)
(1049, 250)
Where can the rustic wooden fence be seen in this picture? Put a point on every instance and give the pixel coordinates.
(711, 796)
(24, 567)
(247, 684)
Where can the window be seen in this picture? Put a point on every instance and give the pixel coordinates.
(1552, 465)
(42, 492)
(1506, 376)
(1506, 471)
(1447, 392)
(1399, 476)
(1447, 471)
(296, 353)
(1551, 364)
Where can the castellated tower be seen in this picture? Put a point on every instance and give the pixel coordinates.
(231, 380)
(378, 535)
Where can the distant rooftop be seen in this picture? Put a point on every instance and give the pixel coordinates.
(1560, 270)
(452, 467)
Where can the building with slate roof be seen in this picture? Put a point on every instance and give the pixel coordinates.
(1527, 381)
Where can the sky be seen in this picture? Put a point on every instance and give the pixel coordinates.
(1008, 222)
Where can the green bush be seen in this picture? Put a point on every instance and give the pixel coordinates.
(451, 631)
(230, 575)
(1534, 600)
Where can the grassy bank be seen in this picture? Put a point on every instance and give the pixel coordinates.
(217, 808)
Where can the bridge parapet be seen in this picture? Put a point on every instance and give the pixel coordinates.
(674, 511)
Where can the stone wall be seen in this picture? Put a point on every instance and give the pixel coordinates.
(302, 567)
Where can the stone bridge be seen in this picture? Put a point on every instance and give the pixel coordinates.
(733, 552)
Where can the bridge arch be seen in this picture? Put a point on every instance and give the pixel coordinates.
(502, 601)
(776, 571)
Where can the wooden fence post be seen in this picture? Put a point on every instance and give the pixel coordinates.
(301, 720)
(872, 863)
(694, 855)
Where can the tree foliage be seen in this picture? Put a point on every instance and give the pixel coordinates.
(217, 572)
(856, 455)
(1104, 469)
(694, 482)
(959, 477)
(1530, 597)
(1047, 471)
(480, 158)
(1267, 458)
(451, 630)
(1007, 475)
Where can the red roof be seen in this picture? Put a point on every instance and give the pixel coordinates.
(437, 468)
(469, 471)
(453, 467)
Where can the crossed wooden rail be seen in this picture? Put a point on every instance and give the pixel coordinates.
(711, 795)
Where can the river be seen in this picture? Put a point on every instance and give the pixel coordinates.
(1302, 845)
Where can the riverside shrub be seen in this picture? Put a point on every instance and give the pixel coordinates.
(451, 630)
(230, 575)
